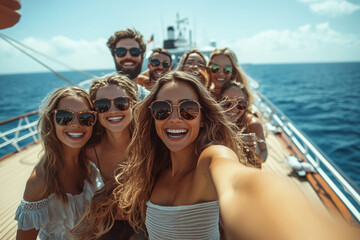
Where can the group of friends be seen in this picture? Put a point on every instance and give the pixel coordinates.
(170, 153)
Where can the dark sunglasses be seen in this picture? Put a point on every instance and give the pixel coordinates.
(239, 104)
(65, 117)
(214, 68)
(156, 62)
(103, 105)
(121, 51)
(188, 109)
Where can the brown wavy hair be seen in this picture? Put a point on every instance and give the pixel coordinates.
(148, 156)
(123, 34)
(238, 74)
(52, 161)
(204, 73)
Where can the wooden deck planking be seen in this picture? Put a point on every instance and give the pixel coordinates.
(15, 170)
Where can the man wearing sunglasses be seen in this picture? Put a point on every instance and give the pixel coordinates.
(159, 64)
(127, 48)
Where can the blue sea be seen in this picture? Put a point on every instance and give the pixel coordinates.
(322, 99)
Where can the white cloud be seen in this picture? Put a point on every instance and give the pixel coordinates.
(308, 43)
(332, 8)
(79, 54)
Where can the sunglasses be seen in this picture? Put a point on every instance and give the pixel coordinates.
(156, 62)
(103, 105)
(188, 109)
(64, 117)
(239, 104)
(214, 68)
(121, 51)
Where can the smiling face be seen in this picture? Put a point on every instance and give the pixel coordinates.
(113, 120)
(128, 64)
(220, 77)
(156, 72)
(177, 133)
(74, 135)
(193, 64)
(234, 94)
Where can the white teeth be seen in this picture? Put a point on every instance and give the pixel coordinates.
(220, 79)
(128, 64)
(75, 134)
(176, 130)
(115, 118)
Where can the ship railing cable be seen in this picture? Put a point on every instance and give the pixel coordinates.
(342, 185)
(20, 46)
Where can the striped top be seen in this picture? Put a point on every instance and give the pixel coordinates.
(197, 221)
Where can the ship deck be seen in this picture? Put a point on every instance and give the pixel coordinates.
(15, 170)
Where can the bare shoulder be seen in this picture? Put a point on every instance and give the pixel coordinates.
(35, 185)
(217, 152)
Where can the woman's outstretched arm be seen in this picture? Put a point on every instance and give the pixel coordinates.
(257, 205)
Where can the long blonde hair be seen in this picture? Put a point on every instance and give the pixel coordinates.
(148, 156)
(52, 161)
(238, 74)
(101, 214)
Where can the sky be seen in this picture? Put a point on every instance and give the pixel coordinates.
(258, 31)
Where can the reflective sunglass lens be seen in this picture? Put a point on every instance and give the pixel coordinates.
(135, 52)
(154, 62)
(161, 110)
(214, 68)
(227, 69)
(166, 64)
(120, 51)
(242, 105)
(122, 103)
(63, 117)
(102, 105)
(87, 119)
(189, 110)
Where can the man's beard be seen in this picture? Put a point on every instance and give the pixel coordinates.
(130, 73)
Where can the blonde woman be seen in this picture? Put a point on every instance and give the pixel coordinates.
(114, 97)
(223, 67)
(185, 166)
(63, 182)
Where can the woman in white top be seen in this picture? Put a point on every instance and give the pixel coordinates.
(63, 182)
(185, 164)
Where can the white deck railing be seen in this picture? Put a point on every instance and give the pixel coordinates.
(25, 129)
(337, 180)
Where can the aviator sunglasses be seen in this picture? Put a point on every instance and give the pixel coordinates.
(239, 104)
(156, 62)
(121, 51)
(104, 104)
(214, 68)
(64, 117)
(188, 109)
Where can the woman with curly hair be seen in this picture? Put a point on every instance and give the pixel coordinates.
(62, 183)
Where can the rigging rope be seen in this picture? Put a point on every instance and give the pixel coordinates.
(12, 41)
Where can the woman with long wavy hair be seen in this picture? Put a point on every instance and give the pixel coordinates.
(62, 183)
(186, 168)
(113, 96)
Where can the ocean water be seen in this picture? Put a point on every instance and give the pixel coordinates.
(322, 99)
